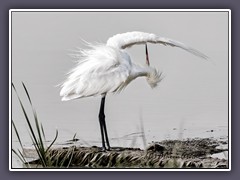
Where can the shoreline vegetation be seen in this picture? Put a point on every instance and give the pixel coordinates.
(188, 153)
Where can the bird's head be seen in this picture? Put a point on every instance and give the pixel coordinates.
(154, 77)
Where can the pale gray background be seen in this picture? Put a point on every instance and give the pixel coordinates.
(192, 99)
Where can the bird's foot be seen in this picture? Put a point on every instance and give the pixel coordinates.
(104, 149)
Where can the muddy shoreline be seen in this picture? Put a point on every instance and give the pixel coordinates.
(189, 153)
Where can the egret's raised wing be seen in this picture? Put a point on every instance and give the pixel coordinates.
(128, 39)
(98, 73)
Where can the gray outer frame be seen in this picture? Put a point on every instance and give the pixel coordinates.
(5, 6)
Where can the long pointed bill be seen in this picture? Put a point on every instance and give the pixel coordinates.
(147, 58)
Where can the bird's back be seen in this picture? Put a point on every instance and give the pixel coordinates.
(101, 69)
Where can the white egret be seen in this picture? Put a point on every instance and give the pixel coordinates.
(107, 68)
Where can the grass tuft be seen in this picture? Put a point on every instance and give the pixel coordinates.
(36, 136)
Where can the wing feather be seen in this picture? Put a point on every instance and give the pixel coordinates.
(129, 39)
(101, 70)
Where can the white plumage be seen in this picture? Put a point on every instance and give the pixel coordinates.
(103, 69)
(107, 68)
(125, 40)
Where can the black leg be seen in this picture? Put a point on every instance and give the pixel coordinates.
(105, 133)
(101, 128)
(103, 125)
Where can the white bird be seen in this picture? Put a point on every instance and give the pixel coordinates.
(107, 68)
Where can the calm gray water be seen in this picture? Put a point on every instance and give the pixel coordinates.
(191, 101)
